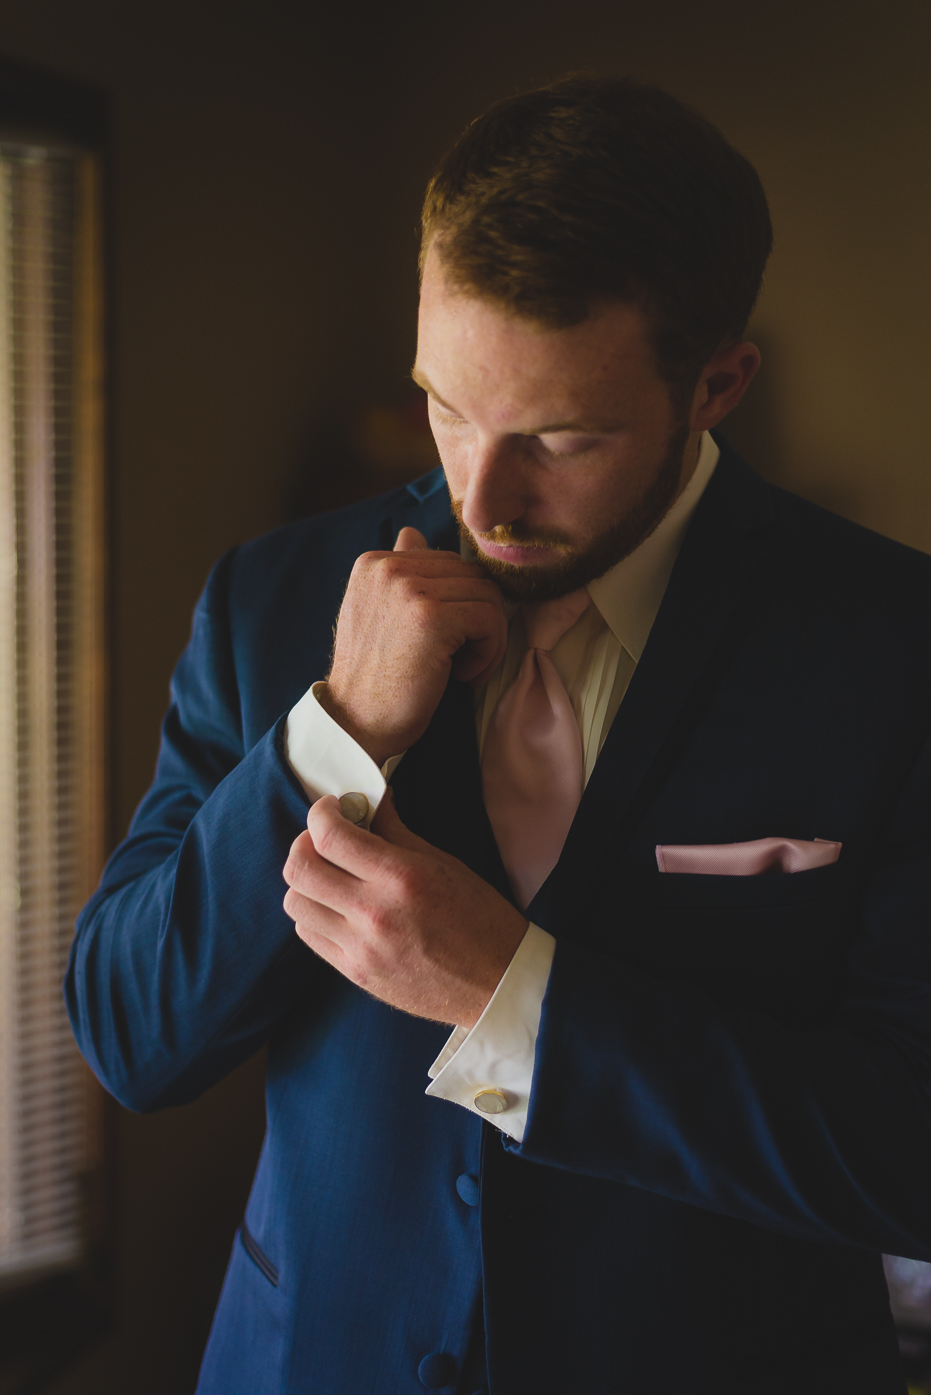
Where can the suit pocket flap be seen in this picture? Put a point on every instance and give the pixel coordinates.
(257, 1254)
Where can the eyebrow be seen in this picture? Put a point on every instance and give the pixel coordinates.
(600, 429)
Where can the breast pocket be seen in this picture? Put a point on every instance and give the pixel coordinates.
(777, 941)
(774, 889)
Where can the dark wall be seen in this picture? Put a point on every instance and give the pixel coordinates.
(269, 164)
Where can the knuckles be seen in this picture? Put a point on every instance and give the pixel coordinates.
(412, 589)
(381, 923)
(417, 571)
(405, 886)
(365, 562)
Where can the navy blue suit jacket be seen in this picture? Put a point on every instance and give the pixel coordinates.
(730, 1110)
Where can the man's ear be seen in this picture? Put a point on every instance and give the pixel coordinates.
(723, 382)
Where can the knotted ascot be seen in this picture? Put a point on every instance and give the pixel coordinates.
(532, 763)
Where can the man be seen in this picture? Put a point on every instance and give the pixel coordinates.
(646, 916)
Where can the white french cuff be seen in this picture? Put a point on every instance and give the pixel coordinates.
(327, 760)
(489, 1069)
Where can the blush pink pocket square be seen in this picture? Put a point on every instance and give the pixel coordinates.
(747, 859)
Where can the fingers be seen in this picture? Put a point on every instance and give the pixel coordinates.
(313, 917)
(385, 572)
(452, 588)
(346, 853)
(419, 560)
(317, 879)
(464, 601)
(322, 930)
(410, 540)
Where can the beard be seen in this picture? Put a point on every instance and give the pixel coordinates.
(577, 567)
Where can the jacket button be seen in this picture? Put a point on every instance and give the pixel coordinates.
(437, 1370)
(467, 1187)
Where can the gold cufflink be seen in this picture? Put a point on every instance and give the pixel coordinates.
(354, 807)
(491, 1101)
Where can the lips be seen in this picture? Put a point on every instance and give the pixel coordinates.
(518, 556)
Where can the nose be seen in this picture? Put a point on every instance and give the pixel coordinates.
(495, 485)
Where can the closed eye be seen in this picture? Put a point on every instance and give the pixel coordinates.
(552, 443)
(566, 444)
(445, 417)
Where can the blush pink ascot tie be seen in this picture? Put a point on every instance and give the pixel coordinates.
(532, 763)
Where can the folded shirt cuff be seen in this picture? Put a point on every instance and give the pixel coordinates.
(492, 1064)
(327, 760)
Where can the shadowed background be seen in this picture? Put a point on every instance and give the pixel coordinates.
(269, 164)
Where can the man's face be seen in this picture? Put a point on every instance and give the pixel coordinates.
(561, 447)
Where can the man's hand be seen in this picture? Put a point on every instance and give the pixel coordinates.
(406, 922)
(407, 618)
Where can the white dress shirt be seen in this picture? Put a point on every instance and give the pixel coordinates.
(493, 1062)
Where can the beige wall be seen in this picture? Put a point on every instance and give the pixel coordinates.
(270, 160)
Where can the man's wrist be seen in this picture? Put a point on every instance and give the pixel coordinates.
(335, 710)
(467, 1020)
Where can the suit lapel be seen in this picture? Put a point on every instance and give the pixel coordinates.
(711, 591)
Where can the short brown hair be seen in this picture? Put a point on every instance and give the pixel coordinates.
(598, 189)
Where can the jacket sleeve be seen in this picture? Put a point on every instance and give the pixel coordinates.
(184, 960)
(820, 1132)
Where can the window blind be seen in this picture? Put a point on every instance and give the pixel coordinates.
(47, 690)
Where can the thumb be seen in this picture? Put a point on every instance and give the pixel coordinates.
(410, 540)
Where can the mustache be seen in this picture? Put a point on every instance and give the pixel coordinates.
(517, 534)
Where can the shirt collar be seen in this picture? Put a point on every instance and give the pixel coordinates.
(629, 595)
